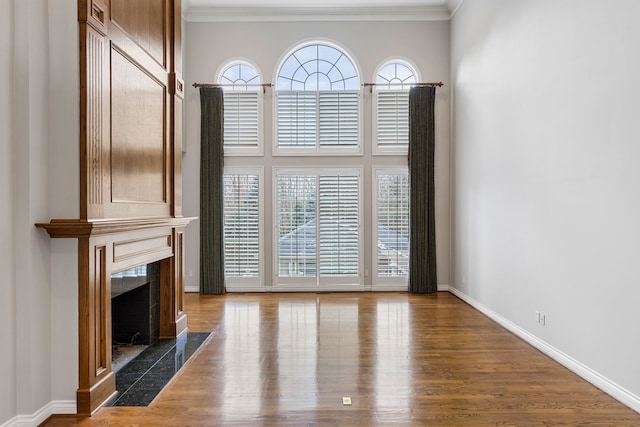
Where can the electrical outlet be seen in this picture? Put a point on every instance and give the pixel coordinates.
(543, 319)
(537, 317)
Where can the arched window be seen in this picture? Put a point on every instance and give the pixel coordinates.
(242, 109)
(391, 107)
(318, 102)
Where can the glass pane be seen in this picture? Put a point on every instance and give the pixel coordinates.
(241, 225)
(296, 224)
(339, 225)
(392, 215)
(241, 127)
(239, 74)
(297, 119)
(392, 119)
(333, 65)
(395, 72)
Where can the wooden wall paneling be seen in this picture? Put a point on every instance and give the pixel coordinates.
(131, 94)
(141, 247)
(145, 23)
(94, 121)
(140, 151)
(176, 133)
(176, 91)
(96, 380)
(138, 136)
(94, 13)
(173, 319)
(176, 45)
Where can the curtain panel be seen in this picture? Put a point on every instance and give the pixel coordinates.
(422, 235)
(211, 191)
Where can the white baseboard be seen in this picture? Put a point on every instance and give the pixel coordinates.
(614, 390)
(51, 408)
(390, 288)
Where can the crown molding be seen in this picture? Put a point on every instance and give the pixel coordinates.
(453, 6)
(279, 14)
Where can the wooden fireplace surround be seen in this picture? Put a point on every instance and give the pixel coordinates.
(131, 96)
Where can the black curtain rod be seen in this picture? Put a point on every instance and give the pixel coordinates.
(264, 86)
(438, 84)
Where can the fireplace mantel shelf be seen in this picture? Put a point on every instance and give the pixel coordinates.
(76, 228)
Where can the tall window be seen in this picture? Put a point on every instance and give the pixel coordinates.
(242, 226)
(318, 103)
(242, 109)
(391, 107)
(391, 224)
(318, 226)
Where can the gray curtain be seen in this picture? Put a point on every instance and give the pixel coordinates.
(211, 197)
(422, 235)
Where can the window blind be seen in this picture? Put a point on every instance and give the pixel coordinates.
(318, 223)
(241, 225)
(392, 217)
(339, 222)
(241, 118)
(338, 118)
(296, 225)
(392, 119)
(324, 119)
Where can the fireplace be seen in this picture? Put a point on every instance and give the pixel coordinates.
(135, 306)
(130, 161)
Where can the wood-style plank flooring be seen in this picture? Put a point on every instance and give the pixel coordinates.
(289, 359)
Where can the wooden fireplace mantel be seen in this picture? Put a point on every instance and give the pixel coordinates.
(75, 228)
(104, 248)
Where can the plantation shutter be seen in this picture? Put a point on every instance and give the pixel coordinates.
(296, 224)
(392, 119)
(241, 225)
(297, 119)
(338, 118)
(326, 119)
(339, 222)
(392, 217)
(241, 118)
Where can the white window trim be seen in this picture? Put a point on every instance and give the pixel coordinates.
(387, 151)
(277, 151)
(251, 284)
(335, 283)
(382, 283)
(258, 150)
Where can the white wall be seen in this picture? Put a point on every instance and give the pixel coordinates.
(31, 200)
(64, 112)
(38, 116)
(209, 45)
(546, 153)
(7, 261)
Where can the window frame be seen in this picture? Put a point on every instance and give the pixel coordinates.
(388, 150)
(354, 150)
(234, 284)
(258, 149)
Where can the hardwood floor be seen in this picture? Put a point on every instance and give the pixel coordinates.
(289, 359)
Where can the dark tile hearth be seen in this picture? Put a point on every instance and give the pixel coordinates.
(140, 380)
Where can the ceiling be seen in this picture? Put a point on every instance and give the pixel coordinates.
(271, 10)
